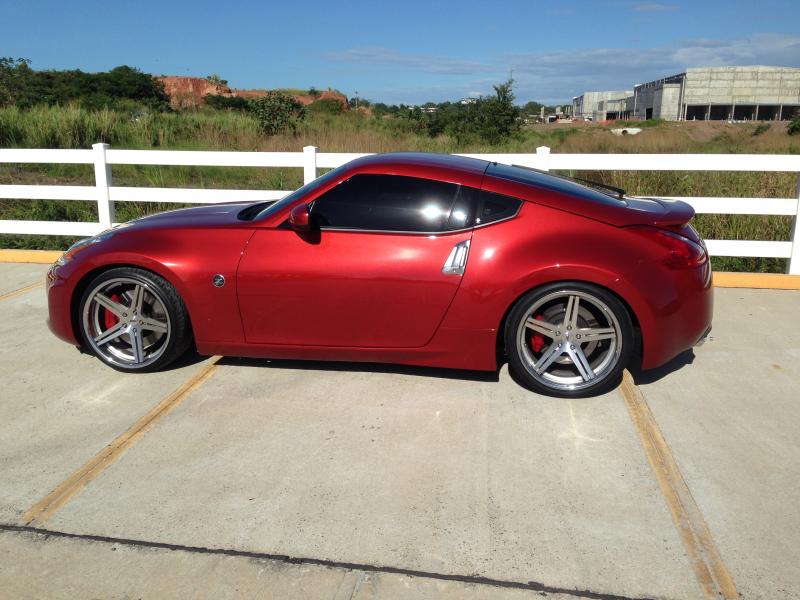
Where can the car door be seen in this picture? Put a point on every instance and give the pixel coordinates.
(380, 271)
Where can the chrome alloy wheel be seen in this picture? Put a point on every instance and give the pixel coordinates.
(569, 340)
(126, 322)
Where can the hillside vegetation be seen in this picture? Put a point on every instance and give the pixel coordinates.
(486, 126)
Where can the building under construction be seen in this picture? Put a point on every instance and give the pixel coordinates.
(702, 94)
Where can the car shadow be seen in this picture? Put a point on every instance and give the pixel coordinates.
(361, 367)
(189, 358)
(641, 377)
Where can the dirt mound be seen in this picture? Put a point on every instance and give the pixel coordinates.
(190, 92)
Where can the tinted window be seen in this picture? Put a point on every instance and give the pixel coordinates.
(495, 207)
(549, 182)
(394, 203)
(270, 208)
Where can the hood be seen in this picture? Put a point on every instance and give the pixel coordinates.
(210, 215)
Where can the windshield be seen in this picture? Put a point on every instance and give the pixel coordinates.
(272, 208)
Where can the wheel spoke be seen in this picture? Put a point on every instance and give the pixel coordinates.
(137, 298)
(152, 324)
(580, 362)
(549, 355)
(542, 327)
(109, 304)
(571, 315)
(137, 345)
(111, 333)
(597, 334)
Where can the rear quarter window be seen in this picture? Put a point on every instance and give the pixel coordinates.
(494, 207)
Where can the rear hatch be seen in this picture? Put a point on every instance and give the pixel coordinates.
(596, 201)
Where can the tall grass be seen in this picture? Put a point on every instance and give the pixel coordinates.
(75, 127)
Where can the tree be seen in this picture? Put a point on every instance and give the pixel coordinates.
(532, 108)
(15, 81)
(490, 118)
(216, 79)
(22, 86)
(277, 112)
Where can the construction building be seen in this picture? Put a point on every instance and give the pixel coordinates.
(707, 93)
(592, 105)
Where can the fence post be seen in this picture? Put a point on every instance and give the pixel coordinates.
(793, 268)
(542, 155)
(102, 178)
(309, 164)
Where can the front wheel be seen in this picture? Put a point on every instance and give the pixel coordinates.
(569, 339)
(133, 320)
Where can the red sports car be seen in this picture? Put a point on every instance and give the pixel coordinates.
(419, 259)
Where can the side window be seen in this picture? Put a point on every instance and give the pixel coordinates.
(394, 203)
(495, 207)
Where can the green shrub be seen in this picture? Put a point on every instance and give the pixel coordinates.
(762, 128)
(277, 112)
(326, 106)
(225, 102)
(794, 125)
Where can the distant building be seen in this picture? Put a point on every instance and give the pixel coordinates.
(706, 93)
(468, 101)
(599, 106)
(721, 93)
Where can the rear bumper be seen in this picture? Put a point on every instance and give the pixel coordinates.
(680, 310)
(704, 338)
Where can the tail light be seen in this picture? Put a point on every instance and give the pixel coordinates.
(681, 252)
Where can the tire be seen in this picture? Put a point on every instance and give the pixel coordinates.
(569, 339)
(133, 320)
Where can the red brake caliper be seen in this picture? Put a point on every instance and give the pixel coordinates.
(537, 339)
(110, 318)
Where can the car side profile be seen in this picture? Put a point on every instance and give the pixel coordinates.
(410, 258)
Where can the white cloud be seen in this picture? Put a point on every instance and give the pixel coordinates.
(557, 76)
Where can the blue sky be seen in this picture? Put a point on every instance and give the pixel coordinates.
(408, 50)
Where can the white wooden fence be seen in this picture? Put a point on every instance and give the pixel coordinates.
(106, 194)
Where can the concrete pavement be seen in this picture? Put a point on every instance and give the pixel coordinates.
(446, 475)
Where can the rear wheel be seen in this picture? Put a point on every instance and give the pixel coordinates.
(569, 339)
(133, 320)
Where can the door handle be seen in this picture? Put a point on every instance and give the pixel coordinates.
(456, 263)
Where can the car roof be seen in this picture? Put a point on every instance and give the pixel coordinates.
(422, 160)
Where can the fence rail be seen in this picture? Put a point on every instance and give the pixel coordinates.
(102, 157)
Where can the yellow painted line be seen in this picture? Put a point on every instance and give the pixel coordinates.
(710, 571)
(42, 257)
(44, 509)
(21, 290)
(769, 281)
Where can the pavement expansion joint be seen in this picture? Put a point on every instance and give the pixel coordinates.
(533, 586)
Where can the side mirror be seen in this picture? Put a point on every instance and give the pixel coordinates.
(299, 218)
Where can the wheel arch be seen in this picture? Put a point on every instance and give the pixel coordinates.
(88, 276)
(500, 348)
